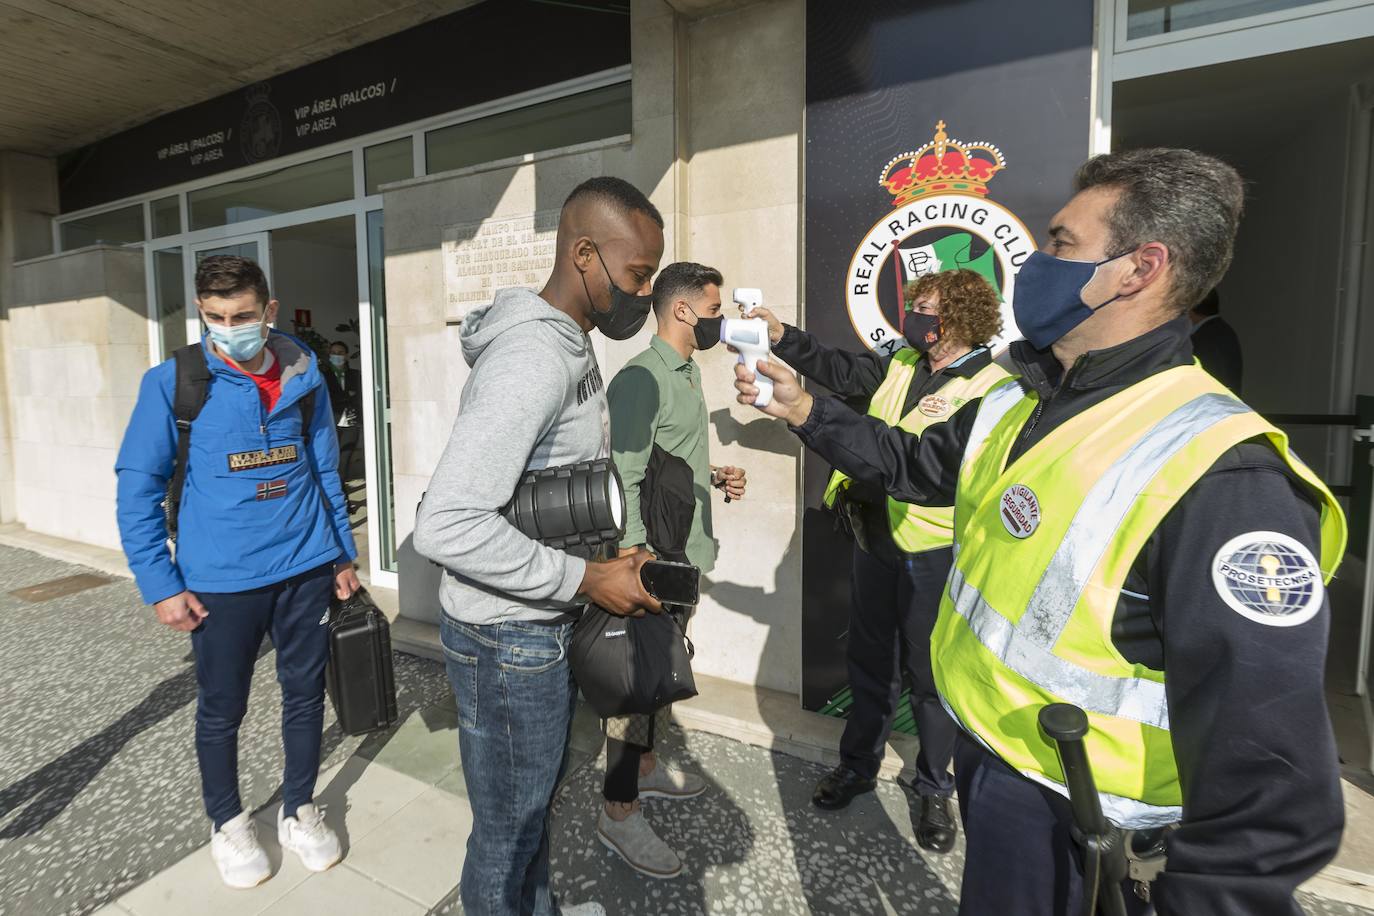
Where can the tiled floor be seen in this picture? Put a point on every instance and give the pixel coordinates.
(100, 808)
(98, 781)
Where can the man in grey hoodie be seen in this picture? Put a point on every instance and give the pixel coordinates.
(534, 399)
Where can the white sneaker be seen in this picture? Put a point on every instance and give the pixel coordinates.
(239, 858)
(665, 782)
(308, 836)
(582, 909)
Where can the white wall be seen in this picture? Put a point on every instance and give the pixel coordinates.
(76, 348)
(744, 216)
(717, 114)
(28, 201)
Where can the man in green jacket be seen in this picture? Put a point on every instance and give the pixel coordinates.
(657, 399)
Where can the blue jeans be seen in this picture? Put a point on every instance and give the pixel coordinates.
(515, 696)
(226, 647)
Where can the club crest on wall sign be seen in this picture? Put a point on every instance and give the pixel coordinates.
(260, 130)
(942, 219)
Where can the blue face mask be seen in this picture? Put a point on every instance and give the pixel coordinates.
(240, 343)
(1048, 298)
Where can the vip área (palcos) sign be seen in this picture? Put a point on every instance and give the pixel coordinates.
(446, 64)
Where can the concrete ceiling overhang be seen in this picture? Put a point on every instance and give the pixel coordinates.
(76, 71)
(695, 8)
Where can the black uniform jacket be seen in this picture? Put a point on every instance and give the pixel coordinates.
(1262, 808)
(855, 377)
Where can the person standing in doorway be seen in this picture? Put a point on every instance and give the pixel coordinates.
(346, 394)
(902, 552)
(1215, 343)
(656, 400)
(262, 543)
(533, 400)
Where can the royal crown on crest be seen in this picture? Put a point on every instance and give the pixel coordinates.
(942, 165)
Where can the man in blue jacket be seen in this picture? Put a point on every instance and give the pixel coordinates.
(263, 540)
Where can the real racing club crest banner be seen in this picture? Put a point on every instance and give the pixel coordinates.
(939, 135)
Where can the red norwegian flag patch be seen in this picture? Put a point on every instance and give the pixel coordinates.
(273, 489)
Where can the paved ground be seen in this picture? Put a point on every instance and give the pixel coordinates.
(100, 808)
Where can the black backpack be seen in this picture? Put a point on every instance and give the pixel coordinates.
(192, 389)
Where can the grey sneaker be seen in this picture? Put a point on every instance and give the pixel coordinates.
(666, 782)
(635, 841)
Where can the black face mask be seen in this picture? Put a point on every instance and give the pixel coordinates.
(628, 312)
(921, 331)
(707, 331)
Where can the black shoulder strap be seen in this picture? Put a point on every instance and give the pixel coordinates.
(192, 388)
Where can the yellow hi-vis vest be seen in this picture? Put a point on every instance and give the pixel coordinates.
(1041, 550)
(919, 528)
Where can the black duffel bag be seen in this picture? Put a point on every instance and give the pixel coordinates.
(631, 665)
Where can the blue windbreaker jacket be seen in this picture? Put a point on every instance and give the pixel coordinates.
(261, 504)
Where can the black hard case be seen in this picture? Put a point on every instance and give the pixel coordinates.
(360, 677)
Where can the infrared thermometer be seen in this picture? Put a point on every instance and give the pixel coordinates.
(749, 336)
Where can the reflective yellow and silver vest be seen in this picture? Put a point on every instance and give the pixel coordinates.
(1042, 549)
(919, 528)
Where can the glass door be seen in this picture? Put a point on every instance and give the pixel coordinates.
(170, 319)
(377, 408)
(255, 246)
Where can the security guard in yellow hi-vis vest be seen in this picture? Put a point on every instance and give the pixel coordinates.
(1132, 539)
(902, 552)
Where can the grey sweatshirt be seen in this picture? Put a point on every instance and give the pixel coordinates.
(534, 399)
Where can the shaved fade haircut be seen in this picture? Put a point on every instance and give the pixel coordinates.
(616, 193)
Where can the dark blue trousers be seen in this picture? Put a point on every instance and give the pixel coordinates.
(896, 598)
(294, 613)
(1021, 856)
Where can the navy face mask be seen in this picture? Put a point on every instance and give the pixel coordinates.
(1048, 299)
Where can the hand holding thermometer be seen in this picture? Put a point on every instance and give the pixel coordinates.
(749, 337)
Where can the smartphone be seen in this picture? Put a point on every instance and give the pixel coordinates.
(673, 583)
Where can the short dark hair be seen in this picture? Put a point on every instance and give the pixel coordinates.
(1210, 304)
(338, 343)
(617, 192)
(226, 275)
(1188, 201)
(682, 277)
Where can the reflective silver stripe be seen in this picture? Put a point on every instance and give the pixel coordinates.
(991, 409)
(1099, 518)
(1137, 699)
(1131, 813)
